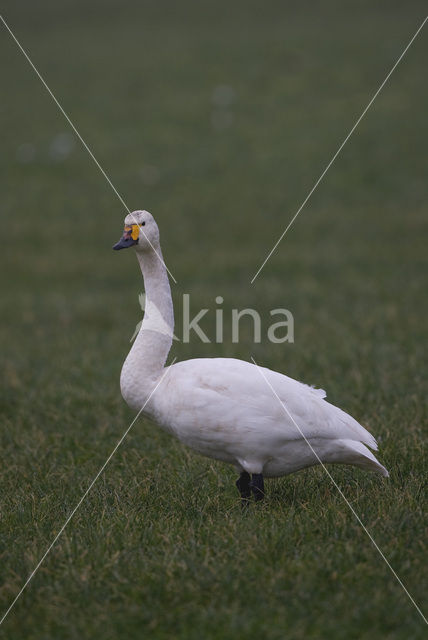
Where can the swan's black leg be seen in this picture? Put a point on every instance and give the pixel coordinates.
(243, 484)
(257, 486)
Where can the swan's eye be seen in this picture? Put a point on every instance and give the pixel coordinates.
(142, 224)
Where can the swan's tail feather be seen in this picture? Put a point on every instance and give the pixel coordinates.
(357, 454)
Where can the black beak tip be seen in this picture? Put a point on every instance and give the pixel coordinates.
(124, 243)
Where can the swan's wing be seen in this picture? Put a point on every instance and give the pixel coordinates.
(225, 393)
(308, 406)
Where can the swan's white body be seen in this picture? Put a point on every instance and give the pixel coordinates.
(256, 419)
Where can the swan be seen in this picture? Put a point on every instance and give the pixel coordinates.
(261, 421)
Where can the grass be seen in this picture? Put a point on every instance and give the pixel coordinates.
(160, 548)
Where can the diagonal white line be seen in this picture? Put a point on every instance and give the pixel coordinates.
(43, 81)
(338, 151)
(373, 541)
(32, 574)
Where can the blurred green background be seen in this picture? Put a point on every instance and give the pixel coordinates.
(217, 117)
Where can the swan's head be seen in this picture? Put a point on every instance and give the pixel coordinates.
(140, 230)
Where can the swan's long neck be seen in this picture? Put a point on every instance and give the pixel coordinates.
(144, 364)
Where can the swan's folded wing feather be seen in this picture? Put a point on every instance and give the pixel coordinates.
(321, 418)
(225, 393)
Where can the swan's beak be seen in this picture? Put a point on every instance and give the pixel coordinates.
(129, 238)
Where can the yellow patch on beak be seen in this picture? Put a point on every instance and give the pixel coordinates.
(135, 231)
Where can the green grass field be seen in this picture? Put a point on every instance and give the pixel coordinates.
(160, 548)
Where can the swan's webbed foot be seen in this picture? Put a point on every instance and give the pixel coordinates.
(243, 484)
(257, 486)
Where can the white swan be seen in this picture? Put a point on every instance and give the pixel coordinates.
(261, 421)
